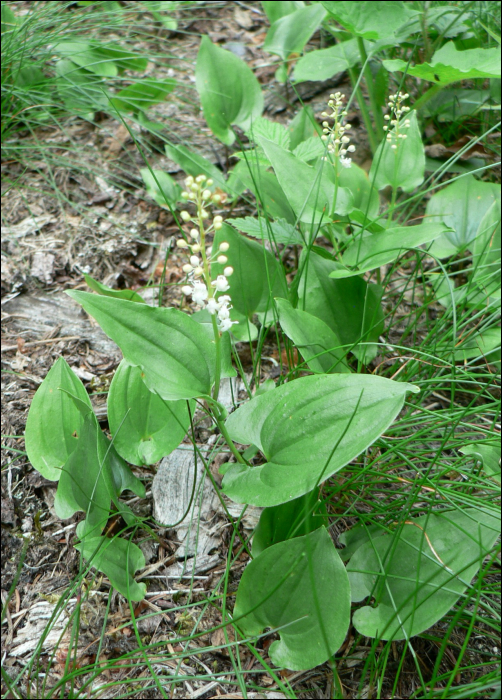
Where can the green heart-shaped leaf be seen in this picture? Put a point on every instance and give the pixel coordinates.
(299, 586)
(308, 429)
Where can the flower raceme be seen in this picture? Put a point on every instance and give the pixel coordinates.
(205, 293)
(397, 110)
(336, 137)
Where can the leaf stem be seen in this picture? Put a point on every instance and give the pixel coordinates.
(377, 111)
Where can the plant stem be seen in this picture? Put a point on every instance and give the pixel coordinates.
(377, 111)
(224, 432)
(364, 111)
(207, 276)
(217, 371)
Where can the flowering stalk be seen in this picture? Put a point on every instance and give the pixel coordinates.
(204, 292)
(336, 137)
(396, 137)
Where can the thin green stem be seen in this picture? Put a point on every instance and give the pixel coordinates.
(377, 111)
(364, 111)
(217, 371)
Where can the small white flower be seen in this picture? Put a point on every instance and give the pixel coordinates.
(221, 283)
(194, 234)
(209, 182)
(185, 195)
(204, 214)
(187, 268)
(226, 324)
(198, 271)
(206, 194)
(351, 149)
(200, 178)
(212, 306)
(345, 139)
(189, 181)
(346, 162)
(194, 261)
(228, 272)
(196, 248)
(225, 299)
(216, 198)
(185, 215)
(222, 259)
(224, 246)
(186, 290)
(181, 243)
(199, 293)
(224, 312)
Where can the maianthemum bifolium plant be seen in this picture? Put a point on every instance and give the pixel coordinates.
(411, 572)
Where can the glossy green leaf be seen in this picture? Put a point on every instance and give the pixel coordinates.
(257, 277)
(357, 536)
(350, 307)
(300, 586)
(228, 91)
(145, 428)
(83, 55)
(194, 164)
(275, 9)
(448, 65)
(377, 249)
(80, 90)
(266, 189)
(404, 167)
(452, 105)
(419, 572)
(290, 33)
(54, 423)
(303, 126)
(142, 95)
(371, 20)
(204, 318)
(488, 455)
(485, 344)
(288, 520)
(174, 352)
(86, 481)
(279, 231)
(309, 191)
(486, 260)
(461, 206)
(118, 559)
(161, 187)
(102, 289)
(364, 195)
(323, 64)
(308, 429)
(122, 58)
(318, 344)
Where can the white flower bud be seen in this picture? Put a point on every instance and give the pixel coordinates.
(385, 128)
(386, 116)
(185, 215)
(222, 259)
(206, 195)
(351, 149)
(393, 146)
(216, 198)
(204, 214)
(228, 271)
(189, 181)
(187, 268)
(185, 195)
(348, 126)
(224, 246)
(186, 290)
(181, 243)
(194, 187)
(194, 234)
(196, 248)
(198, 271)
(200, 178)
(345, 139)
(209, 182)
(194, 261)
